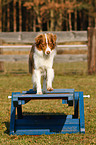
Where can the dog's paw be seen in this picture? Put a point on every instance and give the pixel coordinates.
(49, 89)
(39, 93)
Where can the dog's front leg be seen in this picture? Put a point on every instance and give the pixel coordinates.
(37, 80)
(50, 77)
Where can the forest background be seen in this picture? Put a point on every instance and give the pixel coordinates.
(47, 15)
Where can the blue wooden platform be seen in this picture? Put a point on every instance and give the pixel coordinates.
(47, 124)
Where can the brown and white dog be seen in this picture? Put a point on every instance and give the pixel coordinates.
(41, 60)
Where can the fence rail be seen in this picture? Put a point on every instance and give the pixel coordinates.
(28, 47)
(58, 58)
(28, 37)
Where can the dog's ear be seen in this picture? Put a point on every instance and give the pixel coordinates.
(38, 39)
(55, 37)
(52, 36)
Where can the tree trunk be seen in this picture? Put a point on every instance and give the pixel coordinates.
(31, 20)
(34, 23)
(89, 21)
(48, 28)
(75, 23)
(0, 17)
(52, 20)
(40, 23)
(80, 15)
(8, 16)
(14, 14)
(59, 22)
(20, 16)
(70, 24)
(27, 20)
(4, 16)
(66, 22)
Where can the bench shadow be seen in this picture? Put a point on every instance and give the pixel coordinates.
(52, 121)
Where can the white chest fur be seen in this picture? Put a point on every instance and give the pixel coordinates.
(42, 61)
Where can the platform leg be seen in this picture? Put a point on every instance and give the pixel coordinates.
(76, 105)
(81, 112)
(12, 117)
(19, 112)
(64, 101)
(44, 85)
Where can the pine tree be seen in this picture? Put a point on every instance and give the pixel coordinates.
(8, 16)
(14, 14)
(20, 16)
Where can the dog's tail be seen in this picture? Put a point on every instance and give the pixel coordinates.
(31, 60)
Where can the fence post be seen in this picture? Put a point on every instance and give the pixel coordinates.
(91, 50)
(1, 62)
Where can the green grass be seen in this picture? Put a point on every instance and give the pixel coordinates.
(20, 80)
(60, 69)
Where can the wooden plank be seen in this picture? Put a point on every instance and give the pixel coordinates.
(37, 125)
(60, 91)
(58, 58)
(43, 96)
(76, 105)
(47, 132)
(19, 112)
(14, 58)
(29, 120)
(58, 46)
(28, 37)
(81, 111)
(17, 98)
(12, 117)
(70, 58)
(56, 91)
(91, 50)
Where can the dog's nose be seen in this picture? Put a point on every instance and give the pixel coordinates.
(48, 52)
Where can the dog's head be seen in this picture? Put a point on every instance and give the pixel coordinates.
(46, 43)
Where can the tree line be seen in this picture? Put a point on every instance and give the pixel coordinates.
(47, 15)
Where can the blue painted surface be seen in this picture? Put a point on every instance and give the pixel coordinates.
(71, 91)
(45, 96)
(76, 101)
(47, 124)
(12, 117)
(18, 99)
(81, 109)
(64, 101)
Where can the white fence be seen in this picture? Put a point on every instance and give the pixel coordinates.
(58, 58)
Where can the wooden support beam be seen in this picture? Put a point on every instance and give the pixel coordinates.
(91, 50)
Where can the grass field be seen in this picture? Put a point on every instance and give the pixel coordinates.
(21, 80)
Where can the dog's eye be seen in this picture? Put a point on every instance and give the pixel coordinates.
(50, 43)
(43, 45)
